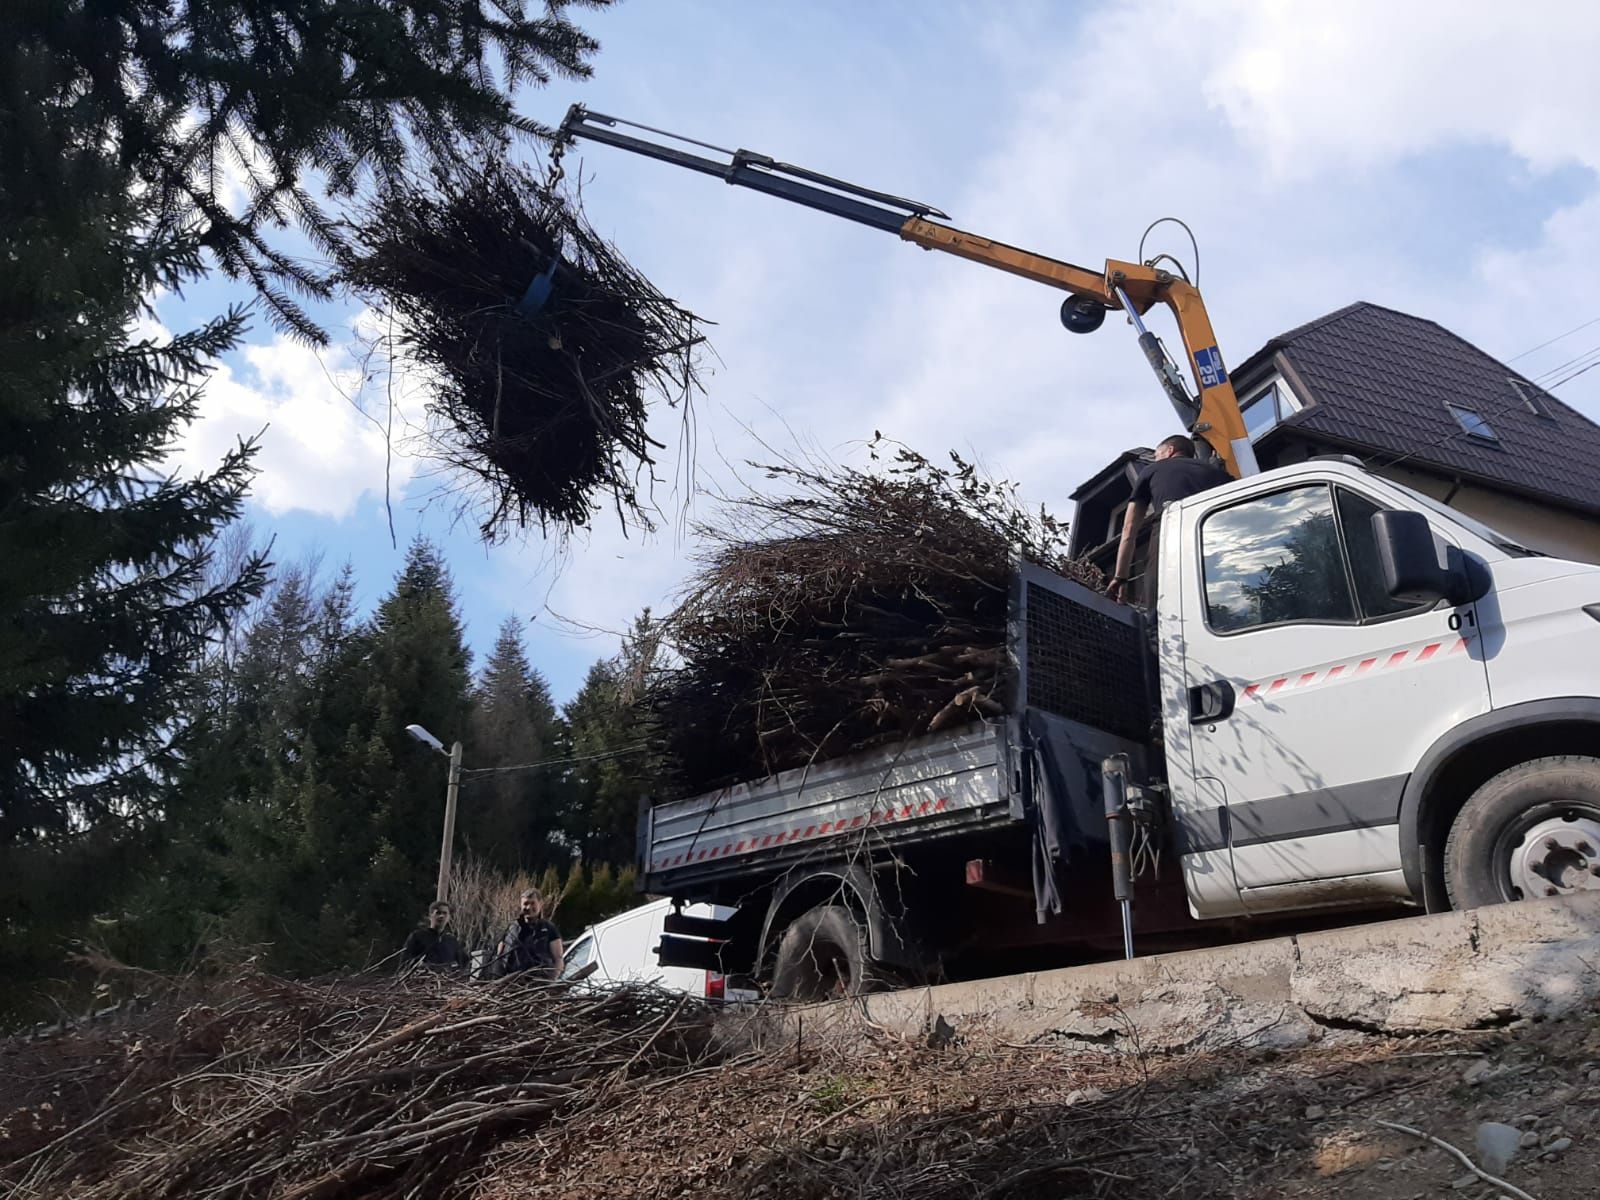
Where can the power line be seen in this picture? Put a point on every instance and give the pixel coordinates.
(1554, 340)
(1560, 367)
(559, 762)
(1575, 374)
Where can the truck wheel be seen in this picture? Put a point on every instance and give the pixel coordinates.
(1531, 831)
(823, 956)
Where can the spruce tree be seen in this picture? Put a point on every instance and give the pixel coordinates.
(511, 819)
(203, 98)
(105, 600)
(614, 743)
(418, 675)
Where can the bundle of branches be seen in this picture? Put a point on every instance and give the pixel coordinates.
(543, 346)
(355, 1089)
(848, 609)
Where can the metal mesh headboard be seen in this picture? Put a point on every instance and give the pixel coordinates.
(1083, 657)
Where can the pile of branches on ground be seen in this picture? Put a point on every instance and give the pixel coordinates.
(845, 609)
(543, 347)
(375, 1088)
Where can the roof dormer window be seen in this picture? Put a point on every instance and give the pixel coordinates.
(1266, 407)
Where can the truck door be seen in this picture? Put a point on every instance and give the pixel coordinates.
(1311, 692)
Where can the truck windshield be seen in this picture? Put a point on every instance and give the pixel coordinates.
(1493, 536)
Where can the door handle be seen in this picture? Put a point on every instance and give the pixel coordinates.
(1210, 701)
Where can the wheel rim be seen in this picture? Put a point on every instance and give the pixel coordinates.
(1552, 851)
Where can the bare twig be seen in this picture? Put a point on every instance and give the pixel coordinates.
(1508, 1188)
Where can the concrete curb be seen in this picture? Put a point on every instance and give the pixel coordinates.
(1465, 970)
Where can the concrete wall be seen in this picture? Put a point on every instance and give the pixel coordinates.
(1457, 970)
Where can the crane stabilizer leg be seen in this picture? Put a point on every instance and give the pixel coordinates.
(1119, 827)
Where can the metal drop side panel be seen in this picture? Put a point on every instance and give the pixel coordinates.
(1082, 656)
(929, 787)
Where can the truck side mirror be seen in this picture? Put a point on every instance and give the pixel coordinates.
(1410, 556)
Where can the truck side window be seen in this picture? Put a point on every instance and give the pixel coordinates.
(1355, 517)
(1275, 559)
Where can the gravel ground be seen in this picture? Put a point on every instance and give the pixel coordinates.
(884, 1116)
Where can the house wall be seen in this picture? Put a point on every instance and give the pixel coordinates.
(1557, 532)
(1537, 526)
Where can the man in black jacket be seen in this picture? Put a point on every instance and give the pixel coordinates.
(532, 943)
(1173, 474)
(432, 944)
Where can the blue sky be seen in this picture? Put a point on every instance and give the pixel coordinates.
(1439, 158)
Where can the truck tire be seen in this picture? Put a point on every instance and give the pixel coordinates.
(1531, 831)
(823, 956)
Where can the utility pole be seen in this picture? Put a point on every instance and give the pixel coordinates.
(452, 789)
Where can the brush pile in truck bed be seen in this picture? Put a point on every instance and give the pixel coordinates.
(845, 610)
(543, 345)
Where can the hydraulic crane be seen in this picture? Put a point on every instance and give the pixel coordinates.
(1133, 288)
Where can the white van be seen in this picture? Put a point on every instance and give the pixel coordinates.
(623, 950)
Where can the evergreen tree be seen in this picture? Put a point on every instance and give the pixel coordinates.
(105, 601)
(419, 674)
(327, 827)
(511, 819)
(205, 98)
(613, 741)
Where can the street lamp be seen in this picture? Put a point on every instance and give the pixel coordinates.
(451, 789)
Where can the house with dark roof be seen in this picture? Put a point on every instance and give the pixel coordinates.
(1416, 404)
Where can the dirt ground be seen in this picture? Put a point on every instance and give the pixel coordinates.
(754, 1110)
(883, 1116)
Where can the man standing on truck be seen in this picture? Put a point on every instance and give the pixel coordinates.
(432, 944)
(1173, 474)
(532, 943)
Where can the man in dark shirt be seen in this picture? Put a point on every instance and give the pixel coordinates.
(432, 945)
(1174, 474)
(532, 943)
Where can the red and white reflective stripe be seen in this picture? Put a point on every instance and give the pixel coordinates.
(1355, 669)
(927, 808)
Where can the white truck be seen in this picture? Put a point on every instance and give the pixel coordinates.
(1347, 696)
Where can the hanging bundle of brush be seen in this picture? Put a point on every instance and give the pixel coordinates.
(543, 348)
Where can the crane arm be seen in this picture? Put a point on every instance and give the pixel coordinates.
(1131, 287)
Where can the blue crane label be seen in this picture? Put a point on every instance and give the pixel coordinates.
(1209, 363)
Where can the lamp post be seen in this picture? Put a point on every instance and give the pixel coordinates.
(451, 790)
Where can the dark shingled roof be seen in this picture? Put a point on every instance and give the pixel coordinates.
(1379, 381)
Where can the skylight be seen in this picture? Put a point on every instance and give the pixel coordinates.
(1473, 423)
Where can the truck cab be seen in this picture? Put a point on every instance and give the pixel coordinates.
(1326, 724)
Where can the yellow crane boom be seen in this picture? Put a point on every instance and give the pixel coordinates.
(1134, 288)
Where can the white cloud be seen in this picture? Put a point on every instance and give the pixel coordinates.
(1315, 87)
(321, 450)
